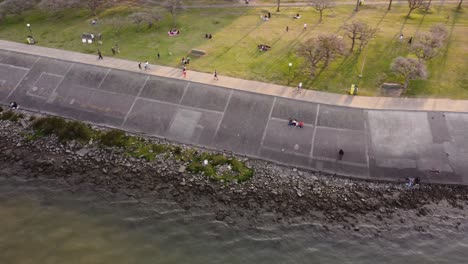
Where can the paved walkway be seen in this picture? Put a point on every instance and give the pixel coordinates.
(430, 143)
(363, 102)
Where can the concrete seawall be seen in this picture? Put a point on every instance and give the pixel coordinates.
(378, 144)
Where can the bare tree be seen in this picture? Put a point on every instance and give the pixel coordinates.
(138, 18)
(439, 31)
(174, 7)
(390, 5)
(428, 5)
(459, 4)
(93, 5)
(16, 6)
(58, 5)
(149, 17)
(410, 69)
(321, 49)
(358, 31)
(321, 5)
(426, 44)
(154, 16)
(278, 5)
(117, 25)
(357, 5)
(415, 4)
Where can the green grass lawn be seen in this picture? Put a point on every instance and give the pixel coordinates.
(237, 31)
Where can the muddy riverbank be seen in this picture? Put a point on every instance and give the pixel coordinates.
(275, 195)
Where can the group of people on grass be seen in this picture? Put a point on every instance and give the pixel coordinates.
(173, 32)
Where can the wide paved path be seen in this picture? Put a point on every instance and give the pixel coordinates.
(383, 138)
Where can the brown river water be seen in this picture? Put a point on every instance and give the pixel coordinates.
(48, 224)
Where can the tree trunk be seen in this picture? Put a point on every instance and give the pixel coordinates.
(405, 87)
(459, 4)
(409, 13)
(390, 5)
(320, 20)
(278, 6)
(428, 5)
(353, 40)
(357, 5)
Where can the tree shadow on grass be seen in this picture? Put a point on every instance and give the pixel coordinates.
(234, 44)
(442, 61)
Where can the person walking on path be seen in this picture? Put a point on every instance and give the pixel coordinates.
(215, 77)
(287, 28)
(299, 87)
(113, 51)
(146, 65)
(159, 56)
(305, 26)
(340, 154)
(184, 72)
(99, 54)
(139, 66)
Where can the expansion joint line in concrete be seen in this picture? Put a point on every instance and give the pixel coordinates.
(366, 141)
(53, 93)
(311, 155)
(266, 127)
(224, 112)
(134, 101)
(96, 89)
(22, 78)
(185, 91)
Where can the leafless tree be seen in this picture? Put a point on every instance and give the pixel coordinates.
(278, 5)
(117, 25)
(357, 5)
(358, 31)
(93, 5)
(321, 5)
(174, 7)
(439, 31)
(149, 17)
(428, 5)
(390, 5)
(138, 18)
(16, 6)
(410, 69)
(426, 44)
(321, 49)
(415, 4)
(459, 4)
(58, 5)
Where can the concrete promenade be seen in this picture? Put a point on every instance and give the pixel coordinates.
(383, 138)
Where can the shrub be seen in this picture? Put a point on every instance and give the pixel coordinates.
(11, 116)
(65, 131)
(75, 130)
(158, 148)
(113, 138)
(48, 125)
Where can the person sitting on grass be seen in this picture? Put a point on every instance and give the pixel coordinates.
(297, 16)
(173, 32)
(263, 47)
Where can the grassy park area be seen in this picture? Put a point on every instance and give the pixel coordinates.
(238, 30)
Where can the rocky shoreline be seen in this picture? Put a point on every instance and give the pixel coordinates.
(275, 195)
